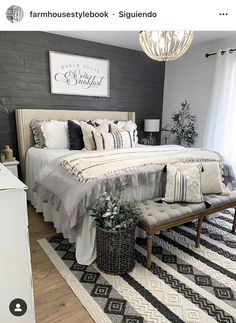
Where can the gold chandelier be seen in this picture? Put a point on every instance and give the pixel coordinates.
(165, 45)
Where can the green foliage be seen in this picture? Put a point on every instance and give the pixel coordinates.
(183, 125)
(3, 106)
(113, 214)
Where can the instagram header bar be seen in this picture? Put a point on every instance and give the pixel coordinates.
(121, 15)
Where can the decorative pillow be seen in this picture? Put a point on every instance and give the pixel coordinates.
(101, 121)
(37, 133)
(92, 123)
(113, 140)
(87, 131)
(211, 178)
(76, 141)
(125, 126)
(121, 123)
(183, 186)
(55, 134)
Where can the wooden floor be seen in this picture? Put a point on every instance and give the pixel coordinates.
(54, 300)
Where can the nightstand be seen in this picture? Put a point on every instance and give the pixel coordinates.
(145, 141)
(12, 166)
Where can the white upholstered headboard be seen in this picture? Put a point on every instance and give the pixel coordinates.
(24, 117)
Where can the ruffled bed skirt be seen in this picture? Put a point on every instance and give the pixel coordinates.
(83, 235)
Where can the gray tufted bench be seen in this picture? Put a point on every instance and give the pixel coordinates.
(159, 216)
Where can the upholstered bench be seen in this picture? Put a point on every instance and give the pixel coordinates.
(159, 216)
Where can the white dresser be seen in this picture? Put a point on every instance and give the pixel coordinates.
(16, 293)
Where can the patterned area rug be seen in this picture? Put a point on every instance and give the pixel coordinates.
(185, 284)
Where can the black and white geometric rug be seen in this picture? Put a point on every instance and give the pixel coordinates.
(185, 284)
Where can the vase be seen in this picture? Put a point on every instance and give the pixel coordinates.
(8, 152)
(178, 140)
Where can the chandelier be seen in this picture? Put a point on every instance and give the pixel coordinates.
(165, 45)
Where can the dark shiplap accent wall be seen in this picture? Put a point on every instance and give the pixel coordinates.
(136, 81)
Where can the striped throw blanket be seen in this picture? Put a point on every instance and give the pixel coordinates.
(86, 166)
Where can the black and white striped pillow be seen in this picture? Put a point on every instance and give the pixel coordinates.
(183, 186)
(125, 126)
(113, 140)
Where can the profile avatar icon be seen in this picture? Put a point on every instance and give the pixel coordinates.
(15, 14)
(18, 308)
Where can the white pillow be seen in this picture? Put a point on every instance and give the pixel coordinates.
(125, 126)
(113, 140)
(55, 134)
(211, 178)
(88, 131)
(183, 186)
(101, 121)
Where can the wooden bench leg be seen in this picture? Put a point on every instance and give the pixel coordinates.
(199, 229)
(234, 223)
(149, 248)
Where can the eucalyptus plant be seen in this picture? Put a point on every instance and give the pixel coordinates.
(183, 125)
(113, 214)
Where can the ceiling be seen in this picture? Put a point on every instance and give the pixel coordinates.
(129, 39)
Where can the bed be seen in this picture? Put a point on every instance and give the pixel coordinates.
(57, 194)
(37, 158)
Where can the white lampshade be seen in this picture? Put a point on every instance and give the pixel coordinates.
(151, 125)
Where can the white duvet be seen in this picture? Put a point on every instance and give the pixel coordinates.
(84, 234)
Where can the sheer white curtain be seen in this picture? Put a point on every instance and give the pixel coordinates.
(220, 132)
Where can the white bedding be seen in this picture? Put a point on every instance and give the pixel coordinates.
(37, 158)
(84, 234)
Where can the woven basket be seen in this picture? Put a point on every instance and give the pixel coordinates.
(115, 251)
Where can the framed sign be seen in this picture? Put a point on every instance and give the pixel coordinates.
(78, 75)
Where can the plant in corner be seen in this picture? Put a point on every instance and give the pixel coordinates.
(183, 125)
(115, 225)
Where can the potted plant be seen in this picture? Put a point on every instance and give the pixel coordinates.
(115, 233)
(182, 126)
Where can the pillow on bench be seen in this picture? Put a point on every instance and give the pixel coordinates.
(183, 186)
(211, 178)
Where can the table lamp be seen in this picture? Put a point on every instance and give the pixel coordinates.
(151, 125)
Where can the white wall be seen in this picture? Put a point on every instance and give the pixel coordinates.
(190, 77)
